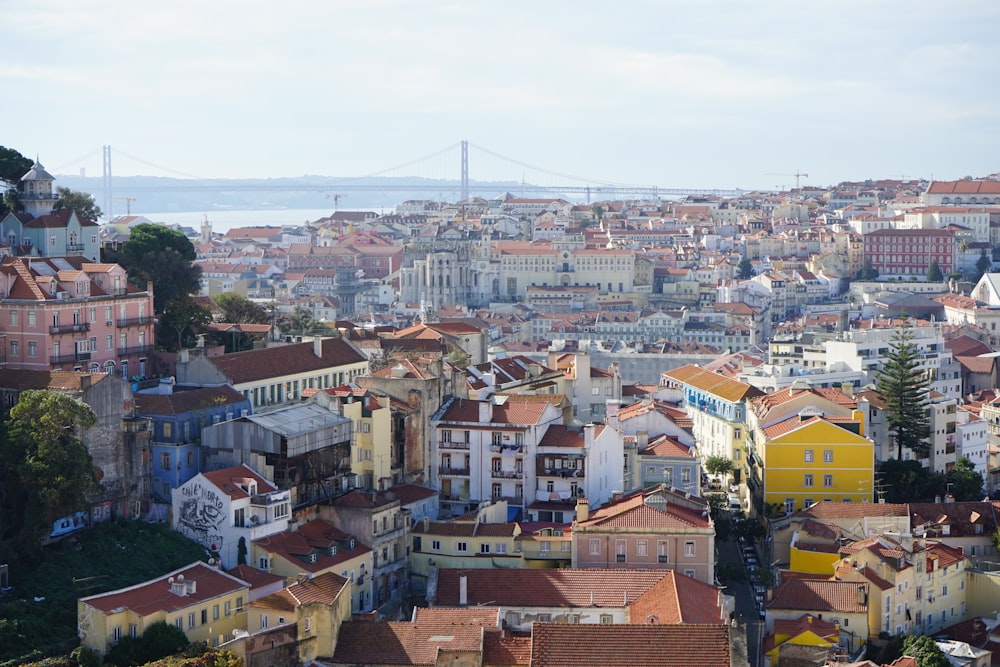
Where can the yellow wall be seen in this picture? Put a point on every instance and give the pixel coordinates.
(448, 556)
(785, 465)
(812, 562)
(375, 445)
(99, 636)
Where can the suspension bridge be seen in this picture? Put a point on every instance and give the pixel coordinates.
(458, 170)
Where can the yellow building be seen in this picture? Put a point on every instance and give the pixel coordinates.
(204, 602)
(318, 547)
(316, 606)
(480, 539)
(809, 458)
(807, 635)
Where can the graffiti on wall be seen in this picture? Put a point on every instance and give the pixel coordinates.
(202, 515)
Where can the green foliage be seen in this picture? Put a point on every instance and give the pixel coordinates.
(158, 641)
(106, 557)
(241, 551)
(934, 274)
(240, 310)
(925, 651)
(904, 387)
(964, 482)
(908, 481)
(718, 465)
(867, 271)
(300, 322)
(86, 657)
(744, 270)
(45, 470)
(13, 166)
(82, 203)
(181, 314)
(208, 658)
(983, 264)
(163, 256)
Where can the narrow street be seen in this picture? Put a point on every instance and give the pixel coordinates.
(746, 605)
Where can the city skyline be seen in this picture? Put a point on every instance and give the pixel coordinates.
(666, 94)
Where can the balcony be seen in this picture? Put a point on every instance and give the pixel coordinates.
(74, 247)
(507, 474)
(70, 358)
(453, 471)
(78, 327)
(453, 445)
(134, 321)
(138, 349)
(506, 449)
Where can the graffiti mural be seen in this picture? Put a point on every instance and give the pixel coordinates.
(202, 515)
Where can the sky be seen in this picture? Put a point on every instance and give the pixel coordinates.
(673, 93)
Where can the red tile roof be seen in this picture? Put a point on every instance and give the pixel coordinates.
(637, 511)
(559, 645)
(323, 589)
(254, 365)
(229, 481)
(816, 595)
(204, 583)
(189, 400)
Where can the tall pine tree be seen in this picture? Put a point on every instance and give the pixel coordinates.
(903, 386)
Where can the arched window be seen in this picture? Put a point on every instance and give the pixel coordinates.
(109, 367)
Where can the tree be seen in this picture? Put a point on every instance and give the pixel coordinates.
(45, 469)
(240, 310)
(867, 271)
(908, 481)
(300, 322)
(718, 465)
(934, 274)
(13, 166)
(159, 640)
(925, 650)
(82, 203)
(983, 264)
(163, 256)
(964, 482)
(744, 270)
(182, 313)
(903, 386)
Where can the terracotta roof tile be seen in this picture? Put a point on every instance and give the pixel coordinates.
(188, 400)
(324, 589)
(229, 481)
(254, 365)
(558, 645)
(816, 595)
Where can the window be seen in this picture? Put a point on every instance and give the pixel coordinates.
(307, 624)
(13, 317)
(807, 480)
(165, 460)
(827, 480)
(436, 545)
(596, 391)
(31, 318)
(463, 547)
(685, 475)
(501, 548)
(827, 456)
(239, 603)
(689, 551)
(574, 619)
(620, 551)
(263, 621)
(32, 348)
(116, 634)
(191, 620)
(168, 429)
(215, 612)
(595, 547)
(109, 342)
(690, 573)
(179, 622)
(14, 348)
(807, 502)
(228, 608)
(661, 552)
(133, 630)
(497, 439)
(641, 547)
(263, 563)
(789, 505)
(607, 619)
(204, 616)
(484, 548)
(809, 456)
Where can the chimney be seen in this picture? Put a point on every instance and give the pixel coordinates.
(847, 388)
(318, 347)
(641, 440)
(85, 382)
(486, 411)
(582, 509)
(862, 596)
(463, 591)
(588, 436)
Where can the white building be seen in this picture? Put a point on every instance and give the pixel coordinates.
(226, 508)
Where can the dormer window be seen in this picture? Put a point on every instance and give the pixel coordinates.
(333, 550)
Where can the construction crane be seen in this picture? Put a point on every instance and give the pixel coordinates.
(797, 175)
(336, 200)
(128, 203)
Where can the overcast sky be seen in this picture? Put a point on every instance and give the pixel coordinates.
(669, 93)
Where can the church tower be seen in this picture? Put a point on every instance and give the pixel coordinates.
(37, 195)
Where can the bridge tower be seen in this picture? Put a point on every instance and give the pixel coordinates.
(465, 170)
(106, 174)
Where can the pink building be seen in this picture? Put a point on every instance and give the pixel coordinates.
(659, 528)
(66, 313)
